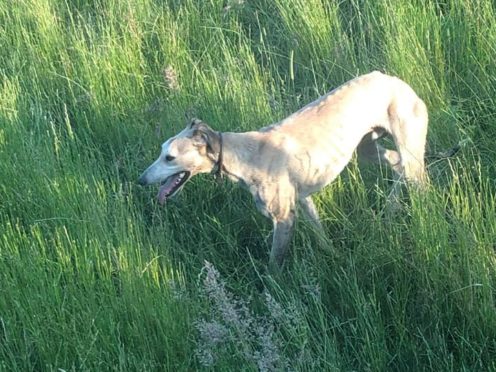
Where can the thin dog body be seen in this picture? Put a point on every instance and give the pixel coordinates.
(283, 164)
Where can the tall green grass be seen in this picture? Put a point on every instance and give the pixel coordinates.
(94, 275)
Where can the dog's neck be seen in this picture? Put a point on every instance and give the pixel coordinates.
(235, 151)
(219, 164)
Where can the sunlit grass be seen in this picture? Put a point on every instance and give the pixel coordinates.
(94, 275)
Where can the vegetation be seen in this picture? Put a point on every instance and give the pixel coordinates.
(95, 275)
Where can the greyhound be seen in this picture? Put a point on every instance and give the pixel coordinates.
(283, 164)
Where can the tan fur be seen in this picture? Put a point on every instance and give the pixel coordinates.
(286, 162)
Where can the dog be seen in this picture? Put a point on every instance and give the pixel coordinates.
(283, 164)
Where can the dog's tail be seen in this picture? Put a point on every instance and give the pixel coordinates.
(446, 154)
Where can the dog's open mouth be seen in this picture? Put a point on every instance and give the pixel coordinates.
(171, 186)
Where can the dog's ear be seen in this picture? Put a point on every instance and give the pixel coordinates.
(195, 122)
(203, 135)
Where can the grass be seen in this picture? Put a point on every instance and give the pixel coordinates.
(94, 275)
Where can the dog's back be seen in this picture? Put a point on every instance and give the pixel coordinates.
(322, 136)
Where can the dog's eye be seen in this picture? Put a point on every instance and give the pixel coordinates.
(169, 157)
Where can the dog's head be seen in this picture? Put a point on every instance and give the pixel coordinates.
(194, 150)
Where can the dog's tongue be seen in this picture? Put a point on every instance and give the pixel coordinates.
(167, 188)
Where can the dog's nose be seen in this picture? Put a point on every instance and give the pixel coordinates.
(142, 180)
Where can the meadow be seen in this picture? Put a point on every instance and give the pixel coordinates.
(95, 275)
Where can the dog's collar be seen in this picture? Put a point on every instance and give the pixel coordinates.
(218, 166)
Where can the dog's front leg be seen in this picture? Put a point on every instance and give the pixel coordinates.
(277, 201)
(283, 229)
(311, 213)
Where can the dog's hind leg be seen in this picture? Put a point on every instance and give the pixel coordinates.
(409, 131)
(370, 150)
(408, 127)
